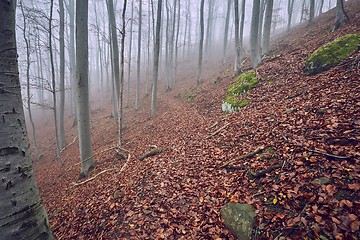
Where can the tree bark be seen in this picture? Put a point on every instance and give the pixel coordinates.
(237, 37)
(201, 44)
(267, 26)
(226, 31)
(82, 71)
(341, 16)
(22, 213)
(290, 9)
(137, 94)
(156, 60)
(254, 31)
(62, 139)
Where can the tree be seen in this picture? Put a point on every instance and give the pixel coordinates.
(226, 31)
(129, 53)
(137, 97)
(267, 26)
(201, 44)
(122, 65)
(254, 31)
(28, 62)
(312, 11)
(82, 72)
(156, 59)
(341, 16)
(62, 140)
(290, 9)
(237, 40)
(22, 213)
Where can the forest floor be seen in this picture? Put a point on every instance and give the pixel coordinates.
(310, 126)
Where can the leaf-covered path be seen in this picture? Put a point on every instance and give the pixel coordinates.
(309, 126)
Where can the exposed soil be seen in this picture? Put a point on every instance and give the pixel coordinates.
(309, 124)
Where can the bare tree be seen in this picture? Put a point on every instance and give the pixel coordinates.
(254, 31)
(290, 9)
(312, 11)
(226, 30)
(137, 94)
(22, 213)
(62, 140)
(156, 59)
(267, 26)
(201, 44)
(237, 37)
(82, 72)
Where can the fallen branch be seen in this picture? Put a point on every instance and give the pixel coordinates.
(262, 173)
(218, 131)
(330, 155)
(92, 178)
(249, 155)
(69, 144)
(123, 167)
(151, 153)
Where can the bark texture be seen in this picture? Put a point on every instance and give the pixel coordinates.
(22, 214)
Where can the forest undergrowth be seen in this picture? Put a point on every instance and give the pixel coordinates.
(303, 183)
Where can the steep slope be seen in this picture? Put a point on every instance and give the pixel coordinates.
(310, 126)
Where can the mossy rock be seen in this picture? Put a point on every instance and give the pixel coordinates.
(332, 53)
(243, 84)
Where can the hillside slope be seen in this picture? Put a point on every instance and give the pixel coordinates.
(309, 124)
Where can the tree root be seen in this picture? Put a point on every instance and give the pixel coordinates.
(92, 178)
(249, 155)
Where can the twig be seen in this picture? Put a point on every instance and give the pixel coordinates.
(68, 144)
(123, 167)
(330, 155)
(92, 178)
(217, 131)
(249, 155)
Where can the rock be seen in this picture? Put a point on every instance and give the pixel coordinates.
(332, 54)
(239, 219)
(321, 181)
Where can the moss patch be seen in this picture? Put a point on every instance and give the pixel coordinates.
(243, 84)
(332, 53)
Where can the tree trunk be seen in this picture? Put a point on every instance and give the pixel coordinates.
(312, 11)
(290, 9)
(53, 81)
(115, 54)
(137, 95)
(156, 60)
(22, 213)
(341, 16)
(122, 63)
(226, 31)
(254, 31)
(28, 62)
(237, 39)
(62, 139)
(267, 26)
(82, 71)
(242, 22)
(130, 52)
(201, 44)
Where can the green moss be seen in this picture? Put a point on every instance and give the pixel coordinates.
(332, 53)
(243, 84)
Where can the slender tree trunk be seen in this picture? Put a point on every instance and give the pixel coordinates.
(122, 64)
(137, 94)
(99, 60)
(226, 31)
(129, 53)
(28, 62)
(53, 83)
(201, 44)
(267, 26)
(22, 213)
(254, 31)
(115, 52)
(82, 76)
(242, 22)
(290, 9)
(177, 39)
(237, 40)
(62, 139)
(312, 11)
(167, 46)
(156, 60)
